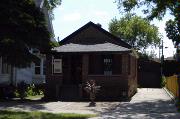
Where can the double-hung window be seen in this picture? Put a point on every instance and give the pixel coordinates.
(108, 65)
(37, 67)
(57, 66)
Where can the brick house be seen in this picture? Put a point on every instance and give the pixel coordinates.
(91, 53)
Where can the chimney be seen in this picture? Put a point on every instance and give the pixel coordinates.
(58, 39)
(98, 24)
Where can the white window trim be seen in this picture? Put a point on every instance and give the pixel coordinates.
(41, 67)
(57, 66)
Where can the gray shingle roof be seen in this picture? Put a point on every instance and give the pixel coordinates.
(104, 47)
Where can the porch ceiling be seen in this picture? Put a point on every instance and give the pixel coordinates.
(104, 47)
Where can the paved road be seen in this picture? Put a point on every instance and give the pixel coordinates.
(146, 104)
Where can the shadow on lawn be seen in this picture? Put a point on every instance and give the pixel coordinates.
(32, 105)
(151, 110)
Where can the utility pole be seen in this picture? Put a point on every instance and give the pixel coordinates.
(162, 57)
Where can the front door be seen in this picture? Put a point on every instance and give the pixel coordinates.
(72, 70)
(76, 69)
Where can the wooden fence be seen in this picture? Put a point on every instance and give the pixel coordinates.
(172, 85)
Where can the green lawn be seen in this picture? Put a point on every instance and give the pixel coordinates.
(41, 115)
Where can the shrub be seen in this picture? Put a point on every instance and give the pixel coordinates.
(33, 90)
(21, 90)
(163, 81)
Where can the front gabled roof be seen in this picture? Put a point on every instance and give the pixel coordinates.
(89, 24)
(104, 47)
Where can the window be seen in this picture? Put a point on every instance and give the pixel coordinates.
(5, 68)
(108, 65)
(38, 66)
(57, 66)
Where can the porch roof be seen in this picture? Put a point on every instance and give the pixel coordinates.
(103, 47)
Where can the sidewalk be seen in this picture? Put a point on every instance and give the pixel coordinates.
(146, 104)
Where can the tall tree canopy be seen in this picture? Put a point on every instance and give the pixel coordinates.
(51, 4)
(22, 27)
(136, 31)
(153, 8)
(157, 9)
(172, 31)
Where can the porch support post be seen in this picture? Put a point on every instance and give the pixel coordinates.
(68, 74)
(125, 64)
(85, 67)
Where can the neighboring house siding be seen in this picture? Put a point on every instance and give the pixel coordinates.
(28, 74)
(24, 74)
(5, 73)
(49, 21)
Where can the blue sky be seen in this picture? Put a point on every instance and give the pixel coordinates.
(73, 14)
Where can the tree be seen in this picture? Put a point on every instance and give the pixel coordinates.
(136, 31)
(51, 4)
(23, 26)
(172, 31)
(154, 9)
(173, 26)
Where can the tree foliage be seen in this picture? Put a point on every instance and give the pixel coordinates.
(136, 31)
(23, 27)
(153, 8)
(50, 5)
(172, 31)
(157, 9)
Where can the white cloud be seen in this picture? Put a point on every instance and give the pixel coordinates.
(72, 17)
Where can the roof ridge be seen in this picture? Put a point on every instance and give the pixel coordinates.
(115, 38)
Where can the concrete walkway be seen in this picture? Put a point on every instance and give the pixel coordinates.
(146, 104)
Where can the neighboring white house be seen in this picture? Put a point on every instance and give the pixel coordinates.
(36, 72)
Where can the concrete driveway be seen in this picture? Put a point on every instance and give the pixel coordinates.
(146, 104)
